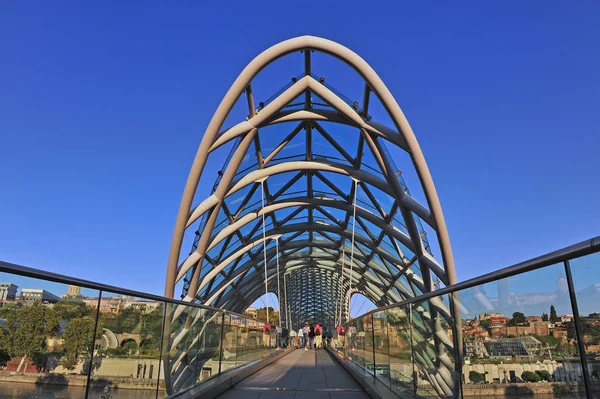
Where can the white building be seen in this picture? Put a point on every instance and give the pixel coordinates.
(8, 291)
(31, 296)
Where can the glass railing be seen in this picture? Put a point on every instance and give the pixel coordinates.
(529, 329)
(69, 338)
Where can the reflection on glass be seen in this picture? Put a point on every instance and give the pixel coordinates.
(586, 281)
(180, 348)
(229, 344)
(47, 332)
(127, 348)
(520, 329)
(209, 343)
(433, 348)
(400, 351)
(381, 347)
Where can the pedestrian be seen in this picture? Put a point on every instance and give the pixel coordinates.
(305, 333)
(318, 336)
(284, 337)
(278, 338)
(266, 335)
(341, 332)
(311, 336)
(293, 335)
(301, 338)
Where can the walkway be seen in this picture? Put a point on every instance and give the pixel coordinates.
(301, 374)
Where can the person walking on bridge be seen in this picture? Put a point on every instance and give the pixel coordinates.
(306, 333)
(318, 336)
(311, 336)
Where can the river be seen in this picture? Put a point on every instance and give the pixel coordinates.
(15, 390)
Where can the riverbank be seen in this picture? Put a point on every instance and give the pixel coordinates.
(81, 381)
(523, 389)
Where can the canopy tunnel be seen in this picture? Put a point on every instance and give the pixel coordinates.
(310, 203)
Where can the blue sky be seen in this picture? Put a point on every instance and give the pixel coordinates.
(102, 110)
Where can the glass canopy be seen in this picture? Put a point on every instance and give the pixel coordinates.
(309, 203)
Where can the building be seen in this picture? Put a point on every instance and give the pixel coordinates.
(107, 304)
(486, 316)
(8, 291)
(474, 348)
(497, 321)
(251, 312)
(513, 347)
(142, 306)
(74, 291)
(32, 296)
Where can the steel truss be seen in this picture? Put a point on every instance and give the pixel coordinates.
(336, 236)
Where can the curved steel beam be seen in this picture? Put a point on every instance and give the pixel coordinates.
(378, 88)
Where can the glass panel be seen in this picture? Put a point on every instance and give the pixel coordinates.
(229, 344)
(400, 351)
(381, 347)
(46, 328)
(357, 352)
(513, 332)
(433, 347)
(209, 343)
(180, 350)
(586, 281)
(128, 351)
(368, 343)
(247, 340)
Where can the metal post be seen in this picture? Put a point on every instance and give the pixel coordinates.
(412, 350)
(287, 309)
(278, 288)
(578, 330)
(373, 345)
(221, 343)
(262, 189)
(160, 350)
(89, 374)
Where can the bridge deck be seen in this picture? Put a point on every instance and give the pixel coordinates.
(301, 374)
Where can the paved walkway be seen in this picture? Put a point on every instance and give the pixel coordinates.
(301, 374)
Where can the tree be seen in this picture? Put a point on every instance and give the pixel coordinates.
(76, 340)
(530, 376)
(130, 347)
(151, 330)
(518, 319)
(261, 314)
(26, 329)
(553, 316)
(544, 375)
(476, 377)
(544, 316)
(69, 310)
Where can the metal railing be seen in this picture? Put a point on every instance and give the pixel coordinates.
(537, 321)
(102, 341)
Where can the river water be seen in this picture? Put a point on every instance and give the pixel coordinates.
(30, 391)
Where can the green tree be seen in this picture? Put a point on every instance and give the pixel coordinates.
(76, 340)
(544, 375)
(553, 316)
(69, 310)
(476, 377)
(261, 314)
(130, 347)
(544, 316)
(518, 319)
(151, 329)
(530, 376)
(26, 329)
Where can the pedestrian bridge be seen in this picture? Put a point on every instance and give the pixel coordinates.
(300, 190)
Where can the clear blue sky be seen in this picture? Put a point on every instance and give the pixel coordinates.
(102, 110)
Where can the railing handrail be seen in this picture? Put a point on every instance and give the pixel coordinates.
(580, 249)
(63, 279)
